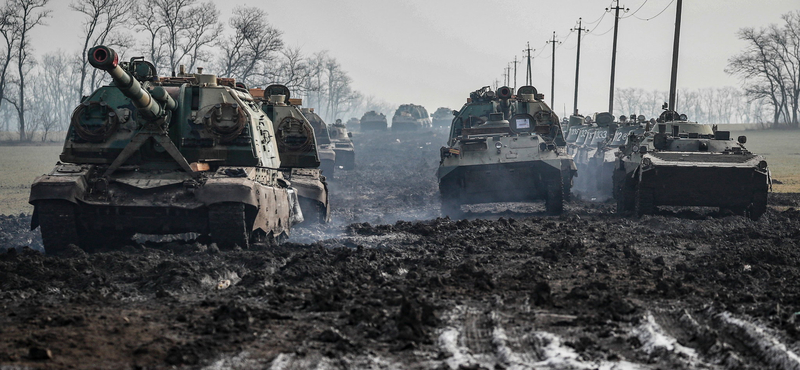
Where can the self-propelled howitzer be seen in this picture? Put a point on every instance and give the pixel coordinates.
(164, 155)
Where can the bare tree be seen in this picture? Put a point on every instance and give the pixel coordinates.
(27, 14)
(178, 30)
(770, 67)
(9, 30)
(250, 51)
(102, 17)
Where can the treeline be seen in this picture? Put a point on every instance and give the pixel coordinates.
(39, 94)
(710, 106)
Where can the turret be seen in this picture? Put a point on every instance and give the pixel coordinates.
(151, 107)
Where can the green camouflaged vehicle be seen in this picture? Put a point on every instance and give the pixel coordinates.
(164, 155)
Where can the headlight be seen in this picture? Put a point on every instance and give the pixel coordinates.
(646, 162)
(762, 165)
(498, 145)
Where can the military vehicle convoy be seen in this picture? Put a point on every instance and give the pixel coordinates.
(164, 155)
(442, 117)
(684, 163)
(504, 148)
(327, 156)
(373, 121)
(297, 146)
(343, 146)
(410, 117)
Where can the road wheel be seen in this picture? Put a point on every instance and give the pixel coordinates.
(554, 203)
(759, 205)
(227, 225)
(644, 201)
(58, 225)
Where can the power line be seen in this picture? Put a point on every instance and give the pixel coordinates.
(659, 13)
(637, 10)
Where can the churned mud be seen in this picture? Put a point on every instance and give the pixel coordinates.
(390, 285)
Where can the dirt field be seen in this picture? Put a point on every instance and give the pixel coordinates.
(388, 285)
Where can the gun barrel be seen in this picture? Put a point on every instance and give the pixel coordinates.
(105, 58)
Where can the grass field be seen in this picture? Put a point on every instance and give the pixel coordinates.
(19, 165)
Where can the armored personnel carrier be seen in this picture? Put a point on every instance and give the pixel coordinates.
(410, 117)
(442, 117)
(164, 155)
(684, 163)
(373, 121)
(342, 143)
(504, 148)
(589, 156)
(327, 156)
(297, 146)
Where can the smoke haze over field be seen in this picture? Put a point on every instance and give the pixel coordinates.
(434, 52)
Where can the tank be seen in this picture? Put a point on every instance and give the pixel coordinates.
(442, 117)
(297, 146)
(684, 163)
(373, 121)
(504, 148)
(164, 155)
(342, 143)
(327, 156)
(410, 117)
(353, 124)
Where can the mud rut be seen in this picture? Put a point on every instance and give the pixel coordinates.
(506, 288)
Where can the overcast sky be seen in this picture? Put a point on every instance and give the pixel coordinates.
(434, 52)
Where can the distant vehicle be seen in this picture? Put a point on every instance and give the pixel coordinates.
(297, 146)
(505, 148)
(373, 121)
(353, 124)
(684, 163)
(342, 143)
(410, 117)
(327, 156)
(442, 117)
(164, 155)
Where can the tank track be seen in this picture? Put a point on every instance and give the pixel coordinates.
(227, 225)
(554, 203)
(58, 225)
(644, 201)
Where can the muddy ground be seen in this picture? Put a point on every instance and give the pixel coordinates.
(390, 285)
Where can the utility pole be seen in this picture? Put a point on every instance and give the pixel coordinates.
(553, 74)
(529, 76)
(577, 64)
(505, 75)
(674, 78)
(515, 73)
(617, 8)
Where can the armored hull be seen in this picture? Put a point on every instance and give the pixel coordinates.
(343, 146)
(410, 117)
(691, 166)
(442, 117)
(493, 156)
(373, 121)
(327, 156)
(298, 148)
(163, 156)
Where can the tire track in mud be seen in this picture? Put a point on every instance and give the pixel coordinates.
(390, 285)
